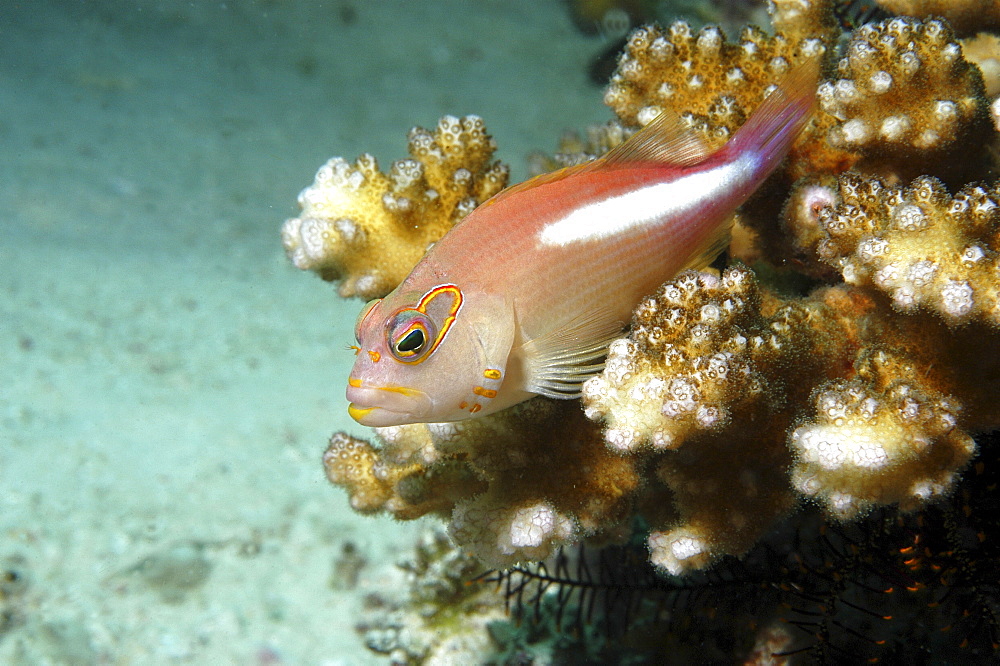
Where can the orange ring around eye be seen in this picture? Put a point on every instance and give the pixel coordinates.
(456, 305)
(408, 319)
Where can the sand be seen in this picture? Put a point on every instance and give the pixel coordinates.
(167, 379)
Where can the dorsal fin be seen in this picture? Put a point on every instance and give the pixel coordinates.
(542, 179)
(666, 140)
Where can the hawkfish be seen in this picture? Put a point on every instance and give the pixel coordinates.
(525, 294)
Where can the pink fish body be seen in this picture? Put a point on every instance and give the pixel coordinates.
(524, 295)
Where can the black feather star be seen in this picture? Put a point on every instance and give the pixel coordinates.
(921, 587)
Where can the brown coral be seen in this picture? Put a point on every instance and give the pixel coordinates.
(733, 382)
(709, 370)
(966, 16)
(367, 229)
(729, 399)
(717, 83)
(407, 489)
(494, 476)
(917, 244)
(881, 438)
(714, 84)
(904, 90)
(984, 51)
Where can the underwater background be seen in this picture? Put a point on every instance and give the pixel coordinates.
(169, 380)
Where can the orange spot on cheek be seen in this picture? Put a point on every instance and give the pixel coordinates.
(475, 408)
(492, 374)
(356, 383)
(463, 405)
(376, 357)
(485, 392)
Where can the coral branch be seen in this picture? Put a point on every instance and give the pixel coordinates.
(917, 244)
(367, 229)
(868, 445)
(966, 16)
(903, 90)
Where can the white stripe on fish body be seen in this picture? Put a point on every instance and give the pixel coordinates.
(650, 205)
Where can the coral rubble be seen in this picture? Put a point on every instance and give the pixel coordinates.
(443, 619)
(849, 367)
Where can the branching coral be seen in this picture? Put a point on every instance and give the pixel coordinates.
(494, 475)
(984, 51)
(709, 371)
(717, 370)
(720, 347)
(717, 82)
(904, 89)
(407, 489)
(880, 438)
(731, 398)
(367, 229)
(966, 16)
(919, 245)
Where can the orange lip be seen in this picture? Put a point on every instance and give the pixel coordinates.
(359, 413)
(385, 405)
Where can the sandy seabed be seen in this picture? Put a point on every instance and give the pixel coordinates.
(167, 379)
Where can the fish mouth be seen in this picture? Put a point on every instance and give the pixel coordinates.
(380, 406)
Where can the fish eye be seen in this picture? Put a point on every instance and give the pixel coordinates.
(411, 342)
(369, 306)
(409, 334)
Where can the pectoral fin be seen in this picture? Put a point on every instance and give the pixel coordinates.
(557, 363)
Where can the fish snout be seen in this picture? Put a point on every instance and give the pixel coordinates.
(380, 406)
